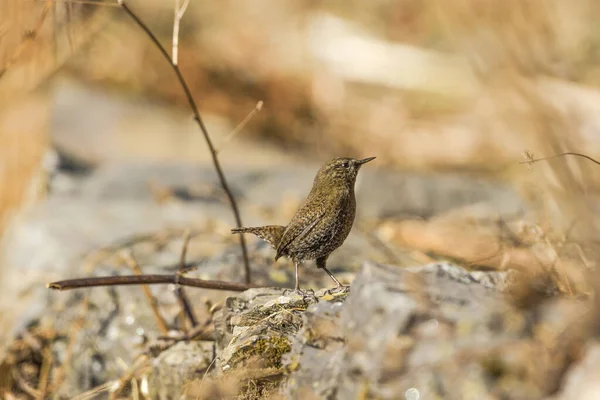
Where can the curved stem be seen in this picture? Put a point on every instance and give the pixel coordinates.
(198, 118)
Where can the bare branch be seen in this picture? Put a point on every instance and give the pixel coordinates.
(181, 296)
(154, 279)
(530, 160)
(200, 122)
(179, 11)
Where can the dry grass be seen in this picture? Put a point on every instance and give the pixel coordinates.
(36, 38)
(23, 142)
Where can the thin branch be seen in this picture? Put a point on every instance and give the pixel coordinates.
(181, 296)
(241, 125)
(179, 11)
(200, 122)
(531, 160)
(153, 279)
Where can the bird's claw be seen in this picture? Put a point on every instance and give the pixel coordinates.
(307, 294)
(339, 289)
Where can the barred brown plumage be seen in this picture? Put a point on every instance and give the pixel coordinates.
(323, 221)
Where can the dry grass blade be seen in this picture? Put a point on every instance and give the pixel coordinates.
(45, 372)
(94, 392)
(115, 387)
(119, 385)
(133, 264)
(198, 118)
(241, 125)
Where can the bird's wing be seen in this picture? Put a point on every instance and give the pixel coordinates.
(297, 230)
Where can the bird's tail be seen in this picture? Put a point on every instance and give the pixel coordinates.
(271, 233)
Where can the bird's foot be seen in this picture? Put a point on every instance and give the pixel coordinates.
(307, 295)
(339, 289)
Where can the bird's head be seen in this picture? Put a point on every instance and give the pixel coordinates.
(342, 170)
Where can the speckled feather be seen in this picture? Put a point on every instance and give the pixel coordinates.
(320, 225)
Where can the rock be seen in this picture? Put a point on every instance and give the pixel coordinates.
(394, 321)
(256, 328)
(176, 366)
(317, 352)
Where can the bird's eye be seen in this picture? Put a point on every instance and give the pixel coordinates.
(345, 164)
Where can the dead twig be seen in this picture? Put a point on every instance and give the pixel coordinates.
(530, 160)
(198, 118)
(153, 279)
(179, 292)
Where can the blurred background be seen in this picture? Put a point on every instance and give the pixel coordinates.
(428, 87)
(424, 85)
(433, 88)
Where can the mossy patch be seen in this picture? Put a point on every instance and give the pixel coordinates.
(269, 349)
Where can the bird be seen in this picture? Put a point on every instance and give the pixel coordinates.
(323, 221)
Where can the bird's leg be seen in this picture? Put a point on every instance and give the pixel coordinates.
(297, 287)
(321, 263)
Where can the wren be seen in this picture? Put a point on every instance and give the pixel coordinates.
(323, 221)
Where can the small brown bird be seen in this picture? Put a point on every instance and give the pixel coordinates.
(323, 221)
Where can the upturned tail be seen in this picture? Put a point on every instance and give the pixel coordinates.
(271, 233)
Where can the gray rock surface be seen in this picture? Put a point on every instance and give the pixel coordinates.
(176, 366)
(393, 322)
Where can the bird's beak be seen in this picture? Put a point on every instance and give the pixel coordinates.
(364, 160)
